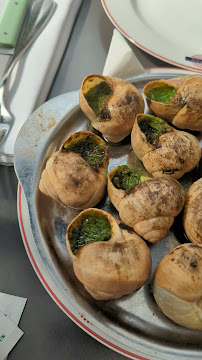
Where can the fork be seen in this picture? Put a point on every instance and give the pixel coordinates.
(30, 34)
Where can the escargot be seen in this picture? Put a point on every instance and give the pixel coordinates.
(177, 285)
(192, 217)
(76, 174)
(109, 260)
(111, 104)
(163, 149)
(177, 100)
(148, 205)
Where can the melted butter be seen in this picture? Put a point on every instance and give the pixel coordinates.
(153, 127)
(88, 148)
(97, 96)
(124, 178)
(162, 94)
(92, 227)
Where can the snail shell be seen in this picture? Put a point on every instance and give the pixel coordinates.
(192, 217)
(149, 207)
(185, 109)
(111, 104)
(70, 179)
(112, 268)
(177, 285)
(173, 153)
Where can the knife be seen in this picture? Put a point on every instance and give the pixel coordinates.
(10, 25)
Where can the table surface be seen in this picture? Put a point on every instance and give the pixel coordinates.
(48, 333)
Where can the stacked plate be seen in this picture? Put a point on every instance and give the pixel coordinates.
(169, 30)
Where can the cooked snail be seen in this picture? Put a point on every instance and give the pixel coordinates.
(149, 205)
(177, 100)
(76, 175)
(120, 180)
(163, 149)
(192, 218)
(111, 104)
(177, 285)
(109, 260)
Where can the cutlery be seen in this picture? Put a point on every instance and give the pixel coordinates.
(10, 29)
(194, 59)
(34, 27)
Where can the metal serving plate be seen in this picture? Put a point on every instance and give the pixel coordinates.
(132, 325)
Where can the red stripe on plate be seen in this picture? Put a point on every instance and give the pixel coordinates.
(72, 316)
(143, 47)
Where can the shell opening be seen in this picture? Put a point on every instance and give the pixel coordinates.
(90, 227)
(88, 147)
(124, 178)
(96, 92)
(153, 127)
(162, 93)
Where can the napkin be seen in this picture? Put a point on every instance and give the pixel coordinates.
(31, 79)
(11, 308)
(121, 61)
(9, 335)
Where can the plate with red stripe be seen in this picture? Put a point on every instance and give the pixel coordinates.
(168, 30)
(132, 325)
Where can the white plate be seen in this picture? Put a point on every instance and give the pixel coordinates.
(169, 30)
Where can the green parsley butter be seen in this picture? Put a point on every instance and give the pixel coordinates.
(97, 96)
(92, 227)
(124, 178)
(153, 127)
(88, 148)
(162, 94)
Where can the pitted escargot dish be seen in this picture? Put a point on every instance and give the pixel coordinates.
(177, 100)
(148, 205)
(76, 174)
(110, 261)
(163, 149)
(111, 104)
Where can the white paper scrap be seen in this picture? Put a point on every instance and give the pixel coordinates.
(12, 306)
(9, 335)
(121, 61)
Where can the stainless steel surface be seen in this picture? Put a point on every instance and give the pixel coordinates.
(135, 321)
(40, 14)
(4, 60)
(48, 333)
